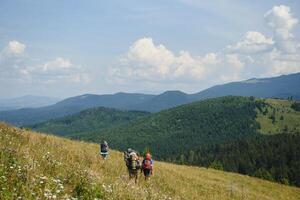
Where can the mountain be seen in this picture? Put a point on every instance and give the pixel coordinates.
(214, 132)
(277, 87)
(28, 101)
(88, 121)
(36, 166)
(168, 99)
(70, 106)
(119, 100)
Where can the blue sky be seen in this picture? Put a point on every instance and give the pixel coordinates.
(64, 48)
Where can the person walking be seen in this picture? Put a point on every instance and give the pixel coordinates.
(132, 160)
(147, 166)
(104, 150)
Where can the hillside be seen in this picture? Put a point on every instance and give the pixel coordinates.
(279, 87)
(88, 121)
(39, 166)
(204, 133)
(210, 121)
(279, 116)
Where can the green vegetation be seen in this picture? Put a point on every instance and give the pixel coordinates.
(213, 133)
(176, 131)
(278, 116)
(275, 158)
(296, 106)
(36, 166)
(88, 121)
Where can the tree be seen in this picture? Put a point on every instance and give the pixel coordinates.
(264, 174)
(191, 156)
(296, 106)
(281, 117)
(181, 159)
(216, 165)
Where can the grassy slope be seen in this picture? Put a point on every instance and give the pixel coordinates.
(286, 119)
(39, 165)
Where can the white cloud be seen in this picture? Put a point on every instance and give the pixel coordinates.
(271, 55)
(57, 64)
(256, 54)
(14, 66)
(148, 62)
(57, 71)
(234, 61)
(151, 62)
(278, 62)
(16, 47)
(253, 42)
(281, 20)
(11, 58)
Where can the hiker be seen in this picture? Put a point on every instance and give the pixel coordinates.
(133, 164)
(104, 149)
(147, 166)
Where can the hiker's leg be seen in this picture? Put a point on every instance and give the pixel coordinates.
(146, 173)
(130, 174)
(136, 175)
(136, 178)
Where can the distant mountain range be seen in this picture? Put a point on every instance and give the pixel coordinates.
(28, 101)
(277, 87)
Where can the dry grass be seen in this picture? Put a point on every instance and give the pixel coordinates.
(41, 166)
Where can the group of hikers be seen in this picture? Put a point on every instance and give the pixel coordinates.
(133, 162)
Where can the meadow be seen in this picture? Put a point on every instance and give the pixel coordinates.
(37, 166)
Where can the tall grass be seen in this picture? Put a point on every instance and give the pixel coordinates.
(36, 166)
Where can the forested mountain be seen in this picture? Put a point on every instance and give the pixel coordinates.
(88, 121)
(278, 87)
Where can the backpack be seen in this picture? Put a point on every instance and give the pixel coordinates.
(103, 148)
(147, 164)
(133, 161)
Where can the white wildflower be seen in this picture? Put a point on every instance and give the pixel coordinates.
(61, 186)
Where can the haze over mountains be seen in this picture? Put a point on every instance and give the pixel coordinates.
(277, 87)
(28, 101)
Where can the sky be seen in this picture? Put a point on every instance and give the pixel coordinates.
(63, 48)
